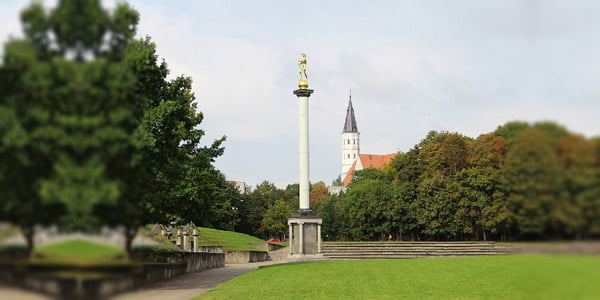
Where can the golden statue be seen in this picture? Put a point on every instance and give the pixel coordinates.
(303, 84)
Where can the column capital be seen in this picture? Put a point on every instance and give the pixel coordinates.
(303, 92)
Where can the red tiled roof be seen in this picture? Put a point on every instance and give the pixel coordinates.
(348, 176)
(375, 161)
(369, 161)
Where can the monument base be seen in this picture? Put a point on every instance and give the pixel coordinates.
(305, 233)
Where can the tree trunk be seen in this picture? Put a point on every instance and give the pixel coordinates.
(484, 236)
(129, 236)
(28, 233)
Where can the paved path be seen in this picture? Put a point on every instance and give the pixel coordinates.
(182, 287)
(9, 292)
(190, 285)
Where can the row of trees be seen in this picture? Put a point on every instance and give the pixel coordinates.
(520, 182)
(93, 133)
(264, 211)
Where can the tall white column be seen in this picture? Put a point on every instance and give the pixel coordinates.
(303, 95)
(303, 151)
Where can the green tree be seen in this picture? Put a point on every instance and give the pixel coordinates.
(317, 192)
(335, 221)
(482, 205)
(276, 217)
(532, 175)
(370, 205)
(407, 169)
(510, 130)
(57, 138)
(94, 129)
(577, 206)
(253, 210)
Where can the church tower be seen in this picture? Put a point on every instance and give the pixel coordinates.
(350, 140)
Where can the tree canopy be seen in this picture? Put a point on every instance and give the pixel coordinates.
(93, 132)
(521, 182)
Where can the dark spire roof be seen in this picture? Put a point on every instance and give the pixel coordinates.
(350, 124)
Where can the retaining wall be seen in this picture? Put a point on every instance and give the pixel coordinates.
(244, 257)
(267, 246)
(99, 282)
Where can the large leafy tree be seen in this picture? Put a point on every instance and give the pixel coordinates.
(482, 207)
(522, 181)
(577, 206)
(317, 192)
(92, 131)
(533, 178)
(252, 210)
(274, 223)
(370, 204)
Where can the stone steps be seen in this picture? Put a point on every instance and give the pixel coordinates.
(399, 250)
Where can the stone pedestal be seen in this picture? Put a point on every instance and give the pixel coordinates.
(305, 234)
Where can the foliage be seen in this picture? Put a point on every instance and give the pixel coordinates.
(488, 277)
(520, 182)
(92, 132)
(12, 249)
(317, 192)
(275, 219)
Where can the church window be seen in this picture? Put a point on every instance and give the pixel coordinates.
(354, 155)
(354, 141)
(348, 155)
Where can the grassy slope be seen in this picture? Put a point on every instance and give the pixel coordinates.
(78, 252)
(489, 277)
(227, 239)
(83, 252)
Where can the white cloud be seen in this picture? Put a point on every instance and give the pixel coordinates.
(412, 66)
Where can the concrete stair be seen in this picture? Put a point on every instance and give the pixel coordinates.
(398, 250)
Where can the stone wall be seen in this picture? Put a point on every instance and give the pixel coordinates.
(98, 282)
(266, 246)
(211, 249)
(194, 261)
(244, 257)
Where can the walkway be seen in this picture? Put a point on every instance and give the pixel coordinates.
(182, 287)
(190, 285)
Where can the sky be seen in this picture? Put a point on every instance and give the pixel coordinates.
(411, 66)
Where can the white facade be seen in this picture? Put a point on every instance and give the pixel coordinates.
(350, 150)
(350, 140)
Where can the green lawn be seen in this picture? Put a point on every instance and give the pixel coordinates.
(230, 241)
(79, 252)
(484, 277)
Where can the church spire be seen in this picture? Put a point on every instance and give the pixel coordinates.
(350, 124)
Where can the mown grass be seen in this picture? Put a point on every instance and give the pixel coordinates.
(230, 241)
(78, 252)
(156, 248)
(485, 277)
